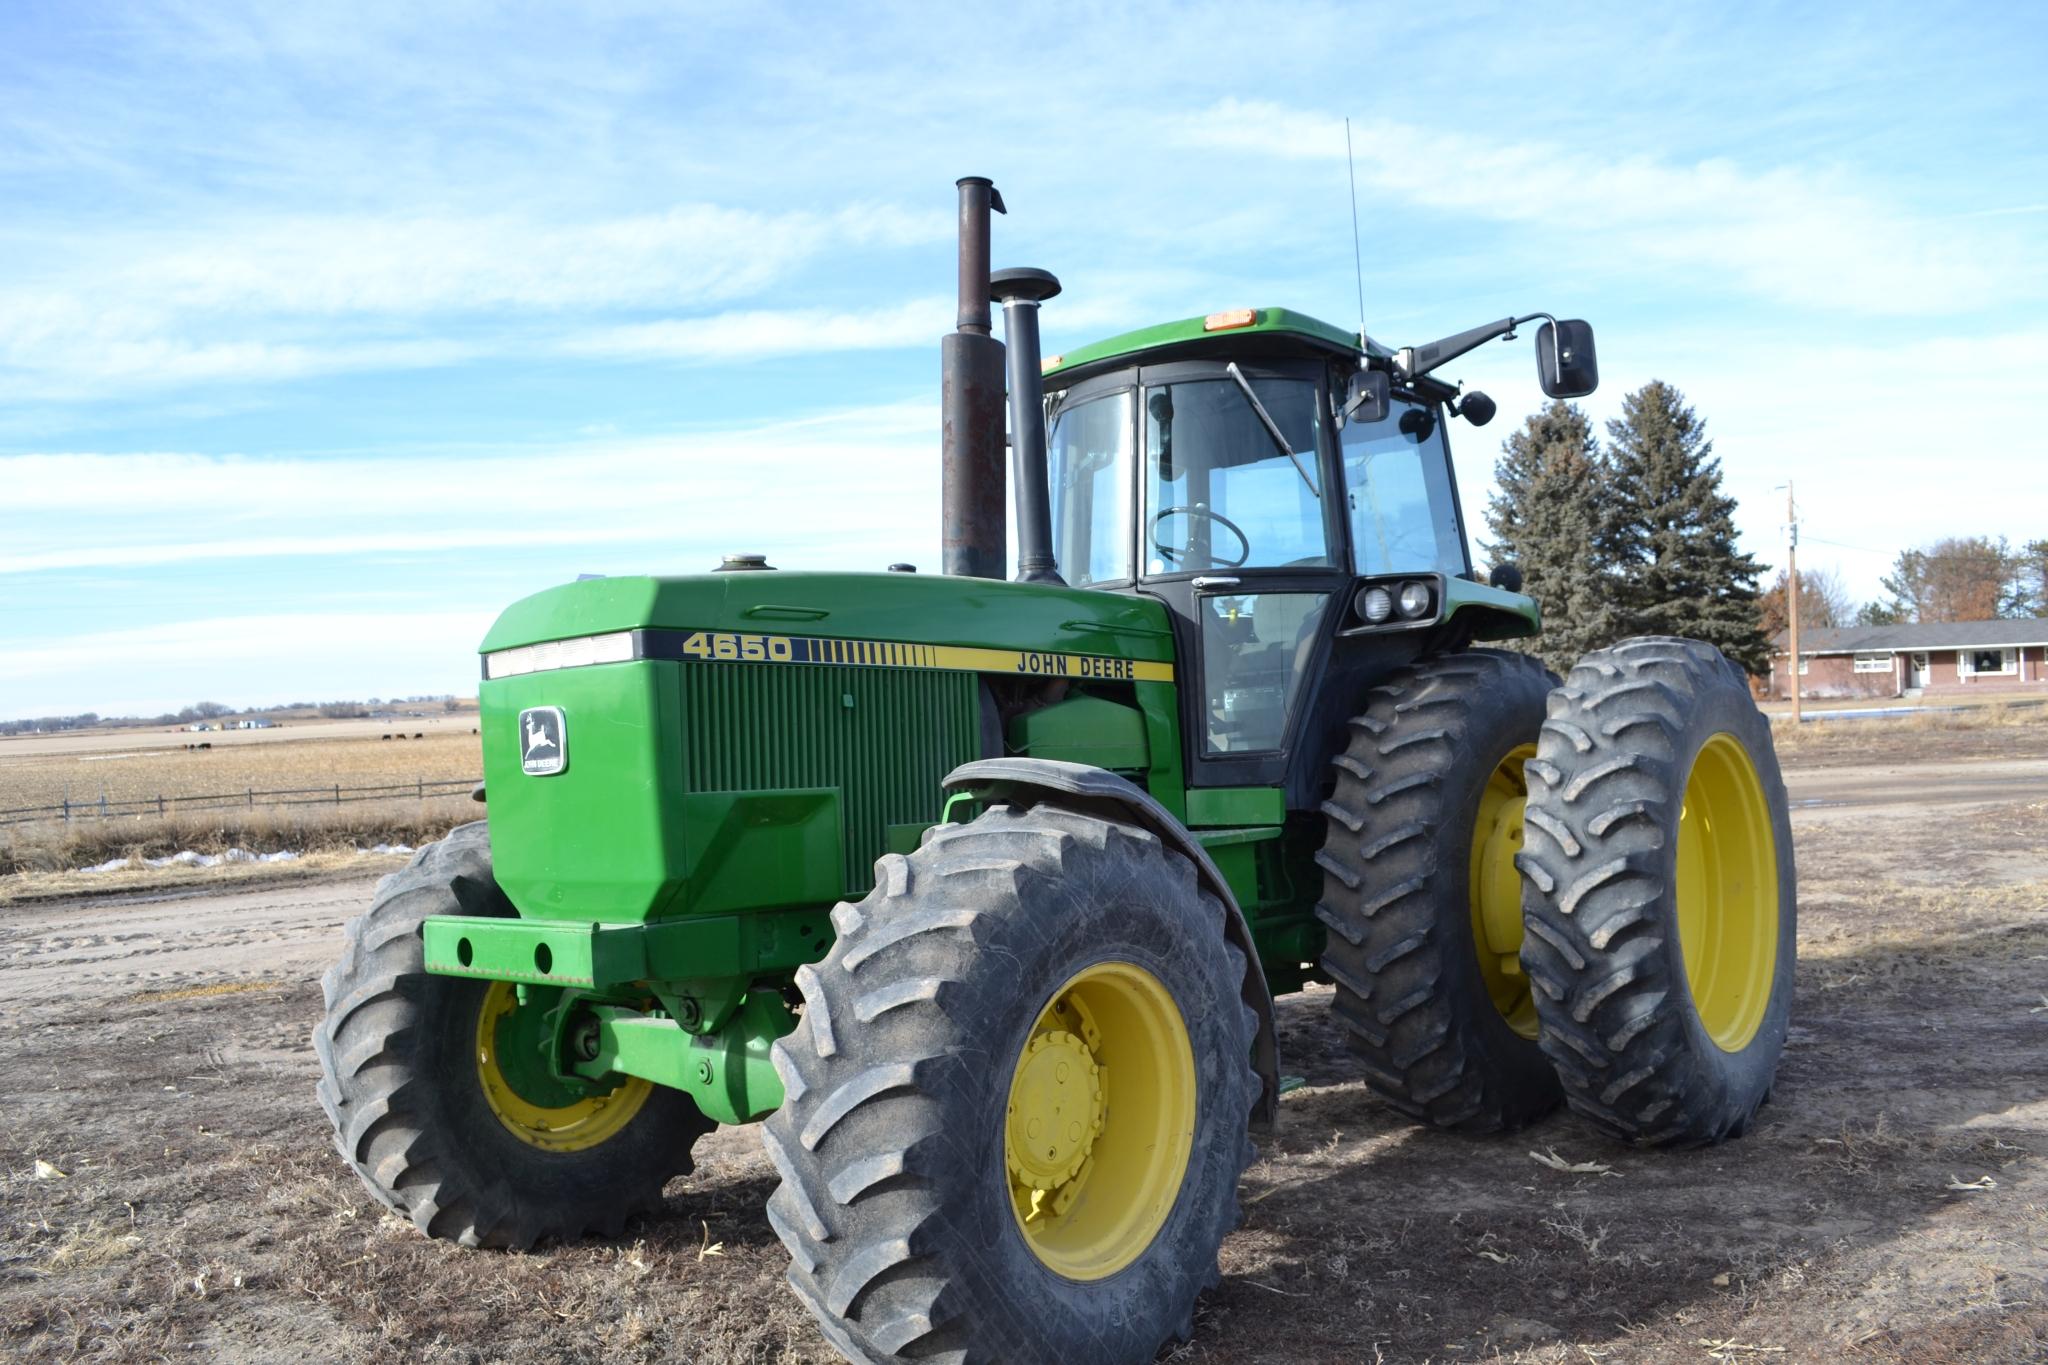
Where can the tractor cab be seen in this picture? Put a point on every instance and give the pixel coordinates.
(1221, 466)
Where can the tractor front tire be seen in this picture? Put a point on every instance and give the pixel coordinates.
(1017, 1101)
(1421, 896)
(427, 1116)
(1660, 903)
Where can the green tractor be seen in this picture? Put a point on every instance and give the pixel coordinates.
(979, 892)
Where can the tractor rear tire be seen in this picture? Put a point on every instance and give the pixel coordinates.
(1661, 902)
(1433, 768)
(1017, 1100)
(403, 1080)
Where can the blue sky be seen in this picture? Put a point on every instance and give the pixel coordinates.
(325, 331)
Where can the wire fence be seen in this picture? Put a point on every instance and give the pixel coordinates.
(249, 798)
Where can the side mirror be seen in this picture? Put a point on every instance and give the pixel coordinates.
(1372, 395)
(1506, 577)
(1565, 364)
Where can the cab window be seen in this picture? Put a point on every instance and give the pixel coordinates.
(1221, 492)
(1088, 454)
(1397, 494)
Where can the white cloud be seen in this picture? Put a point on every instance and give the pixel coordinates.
(852, 481)
(244, 660)
(1799, 234)
(270, 300)
(754, 334)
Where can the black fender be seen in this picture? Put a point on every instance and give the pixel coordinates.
(1078, 787)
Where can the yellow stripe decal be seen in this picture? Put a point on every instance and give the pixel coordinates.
(713, 646)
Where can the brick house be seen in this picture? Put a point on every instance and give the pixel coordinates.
(1961, 658)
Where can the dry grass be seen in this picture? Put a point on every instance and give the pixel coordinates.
(53, 846)
(1999, 729)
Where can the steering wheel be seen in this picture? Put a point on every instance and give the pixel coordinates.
(1172, 554)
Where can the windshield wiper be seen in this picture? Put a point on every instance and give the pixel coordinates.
(1280, 441)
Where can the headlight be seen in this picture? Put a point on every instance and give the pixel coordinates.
(1414, 599)
(1375, 604)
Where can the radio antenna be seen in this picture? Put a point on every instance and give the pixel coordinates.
(1357, 255)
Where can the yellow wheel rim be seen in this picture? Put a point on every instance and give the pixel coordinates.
(1495, 890)
(1100, 1121)
(573, 1127)
(1727, 893)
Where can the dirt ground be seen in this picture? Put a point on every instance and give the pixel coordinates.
(168, 1187)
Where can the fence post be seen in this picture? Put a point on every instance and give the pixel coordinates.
(337, 793)
(159, 804)
(252, 798)
(103, 805)
(423, 788)
(67, 810)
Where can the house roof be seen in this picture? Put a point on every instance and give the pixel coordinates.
(1930, 635)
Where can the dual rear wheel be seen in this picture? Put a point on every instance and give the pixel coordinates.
(1582, 892)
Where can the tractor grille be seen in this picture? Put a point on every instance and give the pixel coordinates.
(885, 737)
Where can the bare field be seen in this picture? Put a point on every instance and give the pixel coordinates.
(113, 741)
(41, 779)
(240, 773)
(1892, 1205)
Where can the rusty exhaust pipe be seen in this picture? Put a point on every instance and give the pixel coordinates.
(973, 539)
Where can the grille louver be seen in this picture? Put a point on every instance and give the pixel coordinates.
(884, 737)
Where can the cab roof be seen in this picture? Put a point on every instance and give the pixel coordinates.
(1222, 331)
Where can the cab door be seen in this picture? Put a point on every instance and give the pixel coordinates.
(1242, 536)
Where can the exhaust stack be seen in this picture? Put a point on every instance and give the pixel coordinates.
(1020, 291)
(971, 513)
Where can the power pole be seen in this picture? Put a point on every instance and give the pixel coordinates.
(1792, 591)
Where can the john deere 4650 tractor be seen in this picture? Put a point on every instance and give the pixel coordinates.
(979, 892)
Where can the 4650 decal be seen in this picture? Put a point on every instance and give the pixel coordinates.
(708, 644)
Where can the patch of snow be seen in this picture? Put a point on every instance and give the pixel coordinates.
(387, 848)
(188, 858)
(184, 858)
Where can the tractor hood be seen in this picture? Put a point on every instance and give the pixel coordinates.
(723, 743)
(895, 607)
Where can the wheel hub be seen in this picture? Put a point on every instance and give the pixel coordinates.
(1091, 1188)
(1056, 1111)
(536, 1109)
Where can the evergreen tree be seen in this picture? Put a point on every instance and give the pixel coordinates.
(2030, 585)
(1681, 571)
(1548, 517)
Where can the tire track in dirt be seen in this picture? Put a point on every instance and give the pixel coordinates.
(91, 950)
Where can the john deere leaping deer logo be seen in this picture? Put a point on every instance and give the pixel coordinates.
(543, 741)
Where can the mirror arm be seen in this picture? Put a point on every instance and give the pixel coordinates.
(1272, 428)
(1451, 347)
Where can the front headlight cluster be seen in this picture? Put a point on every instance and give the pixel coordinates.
(1378, 602)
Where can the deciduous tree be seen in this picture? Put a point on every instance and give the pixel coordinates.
(1823, 603)
(1959, 578)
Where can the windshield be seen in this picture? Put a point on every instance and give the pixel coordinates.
(1221, 492)
(1088, 454)
(1398, 495)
